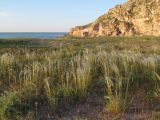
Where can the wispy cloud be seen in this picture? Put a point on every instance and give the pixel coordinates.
(4, 14)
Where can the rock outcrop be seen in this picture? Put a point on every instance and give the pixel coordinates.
(135, 17)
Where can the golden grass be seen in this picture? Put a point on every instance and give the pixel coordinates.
(61, 76)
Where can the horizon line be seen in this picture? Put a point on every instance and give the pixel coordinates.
(33, 32)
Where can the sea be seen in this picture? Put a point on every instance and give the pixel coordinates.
(39, 35)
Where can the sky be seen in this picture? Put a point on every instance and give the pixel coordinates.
(50, 15)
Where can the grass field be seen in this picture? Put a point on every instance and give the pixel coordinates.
(108, 78)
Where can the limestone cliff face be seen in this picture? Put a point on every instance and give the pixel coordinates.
(140, 17)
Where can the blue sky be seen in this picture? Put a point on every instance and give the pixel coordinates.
(50, 15)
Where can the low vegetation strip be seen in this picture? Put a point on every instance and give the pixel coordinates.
(48, 83)
(23, 42)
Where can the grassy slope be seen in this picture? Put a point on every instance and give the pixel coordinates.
(103, 77)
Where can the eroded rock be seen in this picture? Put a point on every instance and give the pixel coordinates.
(134, 17)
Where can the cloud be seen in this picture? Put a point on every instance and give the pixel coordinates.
(4, 14)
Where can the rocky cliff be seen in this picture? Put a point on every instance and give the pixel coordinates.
(135, 17)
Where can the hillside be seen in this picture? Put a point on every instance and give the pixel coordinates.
(135, 17)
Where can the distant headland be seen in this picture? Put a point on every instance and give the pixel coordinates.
(135, 17)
